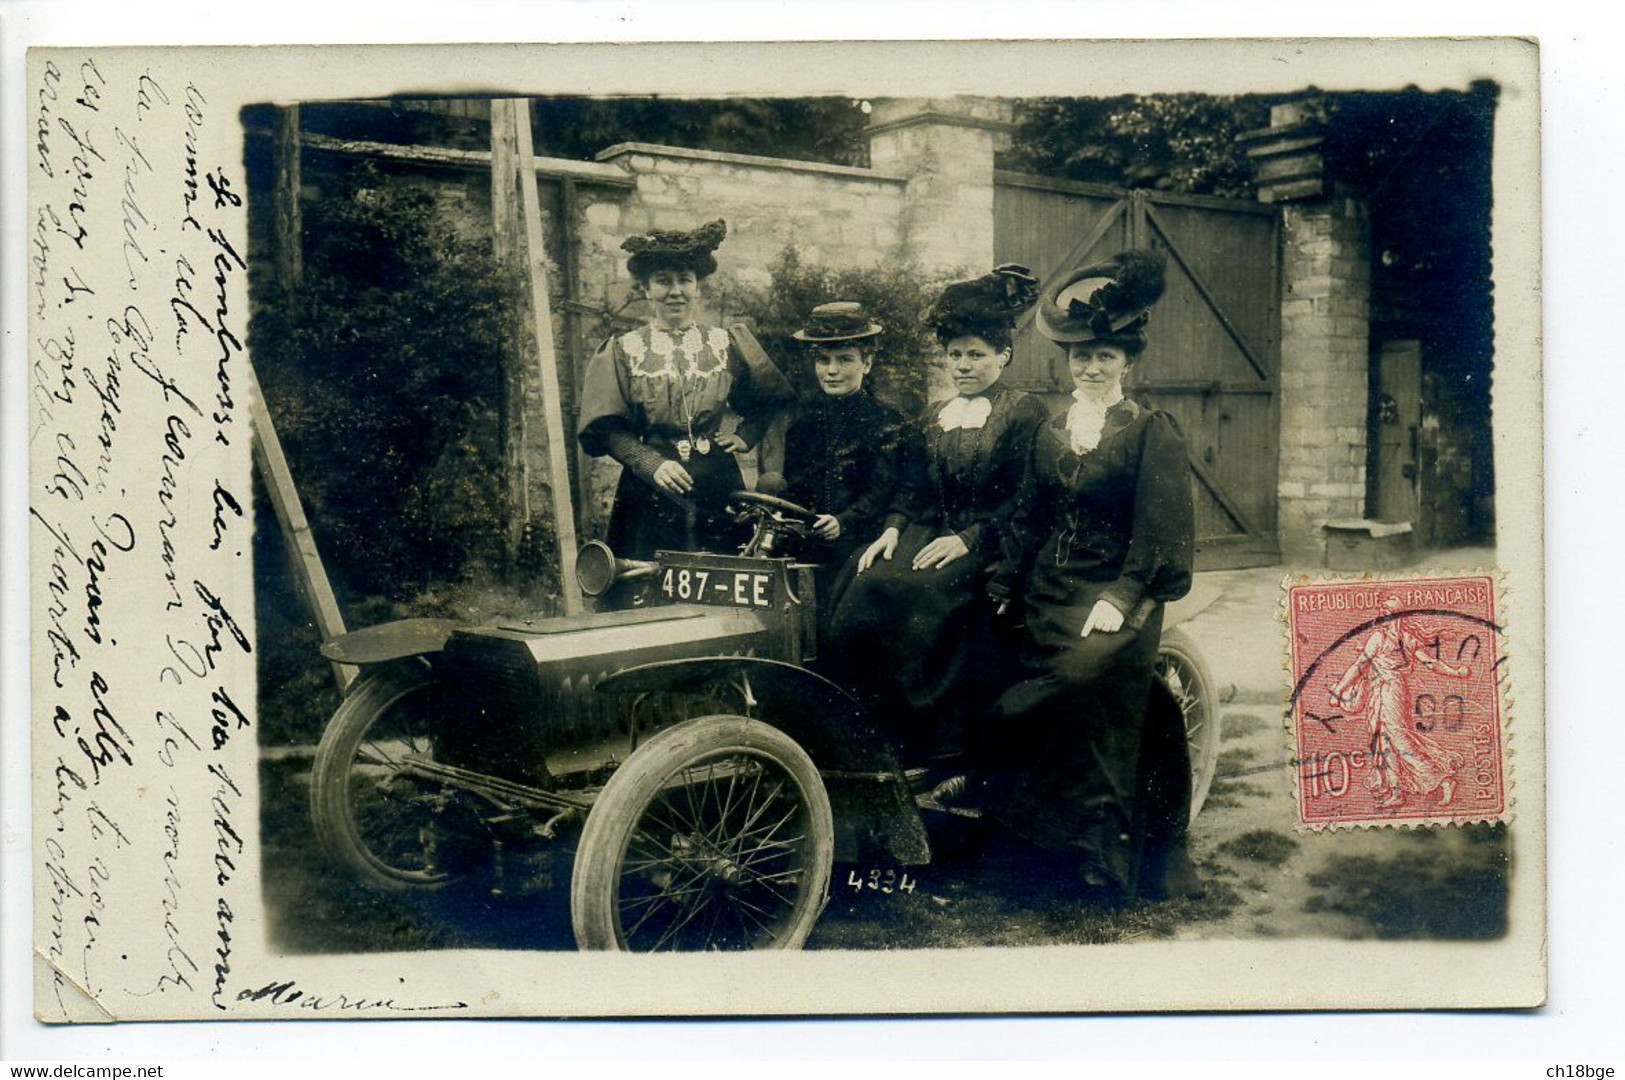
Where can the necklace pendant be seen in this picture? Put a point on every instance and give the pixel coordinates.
(702, 445)
(685, 450)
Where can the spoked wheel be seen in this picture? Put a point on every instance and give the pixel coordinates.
(1181, 668)
(369, 812)
(715, 835)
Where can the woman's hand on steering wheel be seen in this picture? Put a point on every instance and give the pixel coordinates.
(672, 477)
(826, 527)
(940, 552)
(883, 548)
(1103, 617)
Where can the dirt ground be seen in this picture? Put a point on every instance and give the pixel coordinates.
(1263, 878)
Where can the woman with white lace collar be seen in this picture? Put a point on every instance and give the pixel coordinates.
(910, 632)
(1086, 757)
(656, 399)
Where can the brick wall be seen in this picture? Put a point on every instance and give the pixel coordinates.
(1325, 371)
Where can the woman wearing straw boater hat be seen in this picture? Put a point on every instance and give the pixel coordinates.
(843, 451)
(912, 633)
(655, 398)
(1081, 758)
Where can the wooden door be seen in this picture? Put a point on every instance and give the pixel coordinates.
(1396, 422)
(1214, 357)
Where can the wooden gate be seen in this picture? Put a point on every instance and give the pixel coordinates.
(1214, 358)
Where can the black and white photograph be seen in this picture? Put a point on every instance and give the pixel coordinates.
(719, 519)
(815, 402)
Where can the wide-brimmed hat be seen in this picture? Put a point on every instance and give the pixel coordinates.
(991, 302)
(688, 249)
(838, 322)
(1102, 300)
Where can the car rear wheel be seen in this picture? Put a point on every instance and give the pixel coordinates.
(1185, 673)
(369, 811)
(715, 835)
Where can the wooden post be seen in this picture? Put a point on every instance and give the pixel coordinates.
(576, 353)
(308, 571)
(558, 439)
(285, 199)
(507, 243)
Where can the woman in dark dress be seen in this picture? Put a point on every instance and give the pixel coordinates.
(842, 452)
(912, 632)
(1085, 757)
(655, 398)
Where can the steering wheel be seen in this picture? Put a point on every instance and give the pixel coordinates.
(772, 520)
(783, 511)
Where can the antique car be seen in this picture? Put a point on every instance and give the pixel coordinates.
(704, 776)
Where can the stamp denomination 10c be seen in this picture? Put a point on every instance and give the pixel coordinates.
(1397, 709)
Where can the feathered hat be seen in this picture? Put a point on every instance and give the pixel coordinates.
(989, 303)
(685, 249)
(1104, 300)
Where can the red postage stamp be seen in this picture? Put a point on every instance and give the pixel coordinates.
(1397, 710)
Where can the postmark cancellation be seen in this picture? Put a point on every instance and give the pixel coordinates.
(1399, 701)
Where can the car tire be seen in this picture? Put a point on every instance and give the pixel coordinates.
(715, 834)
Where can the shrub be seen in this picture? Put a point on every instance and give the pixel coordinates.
(383, 372)
(898, 297)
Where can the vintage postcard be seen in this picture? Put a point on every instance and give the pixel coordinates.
(785, 528)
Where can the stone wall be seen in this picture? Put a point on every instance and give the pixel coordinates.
(928, 200)
(944, 146)
(1325, 371)
(832, 214)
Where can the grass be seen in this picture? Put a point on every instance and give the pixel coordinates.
(962, 899)
(1261, 846)
(1231, 793)
(1458, 895)
(314, 905)
(996, 902)
(1239, 725)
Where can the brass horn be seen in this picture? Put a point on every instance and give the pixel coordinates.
(597, 568)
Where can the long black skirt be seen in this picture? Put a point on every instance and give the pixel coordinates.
(645, 519)
(917, 646)
(1086, 757)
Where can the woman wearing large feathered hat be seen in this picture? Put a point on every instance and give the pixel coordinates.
(1085, 760)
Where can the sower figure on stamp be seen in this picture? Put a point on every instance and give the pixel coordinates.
(844, 452)
(1086, 758)
(655, 399)
(1404, 760)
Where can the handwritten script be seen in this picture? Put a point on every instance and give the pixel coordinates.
(138, 432)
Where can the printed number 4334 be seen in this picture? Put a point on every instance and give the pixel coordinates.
(881, 881)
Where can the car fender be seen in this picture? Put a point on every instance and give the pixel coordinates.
(396, 640)
(875, 813)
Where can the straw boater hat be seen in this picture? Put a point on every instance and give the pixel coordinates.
(688, 249)
(838, 323)
(1105, 300)
(986, 304)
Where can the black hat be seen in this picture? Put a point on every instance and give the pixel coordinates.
(986, 304)
(1106, 299)
(683, 249)
(836, 323)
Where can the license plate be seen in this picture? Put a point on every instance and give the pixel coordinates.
(726, 588)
